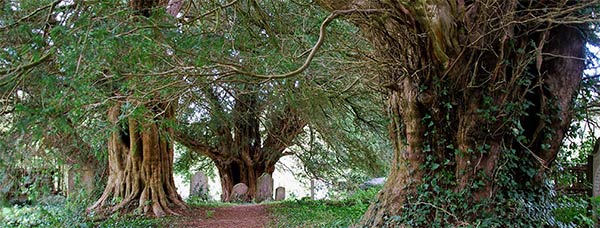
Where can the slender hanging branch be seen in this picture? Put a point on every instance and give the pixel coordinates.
(313, 51)
(25, 67)
(51, 6)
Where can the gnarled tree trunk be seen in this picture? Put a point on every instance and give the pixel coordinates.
(480, 94)
(242, 154)
(236, 172)
(140, 159)
(140, 153)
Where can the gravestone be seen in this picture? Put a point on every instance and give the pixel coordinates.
(265, 188)
(312, 189)
(380, 181)
(596, 171)
(280, 193)
(596, 174)
(239, 192)
(199, 186)
(80, 178)
(174, 6)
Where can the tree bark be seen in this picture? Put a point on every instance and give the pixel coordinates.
(479, 105)
(140, 160)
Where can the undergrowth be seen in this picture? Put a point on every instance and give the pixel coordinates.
(199, 202)
(60, 212)
(322, 213)
(565, 211)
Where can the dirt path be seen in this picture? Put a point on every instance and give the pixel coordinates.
(246, 216)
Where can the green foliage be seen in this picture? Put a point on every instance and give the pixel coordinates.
(522, 208)
(347, 125)
(59, 212)
(199, 202)
(99, 53)
(348, 141)
(574, 211)
(322, 213)
(188, 162)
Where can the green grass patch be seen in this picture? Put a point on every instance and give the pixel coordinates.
(199, 202)
(322, 213)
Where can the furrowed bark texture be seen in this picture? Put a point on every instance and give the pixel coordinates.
(140, 159)
(470, 83)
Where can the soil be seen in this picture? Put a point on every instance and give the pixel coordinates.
(244, 216)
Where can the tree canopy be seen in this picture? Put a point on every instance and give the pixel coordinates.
(66, 63)
(476, 96)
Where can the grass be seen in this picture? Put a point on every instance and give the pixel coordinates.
(321, 213)
(199, 202)
(65, 213)
(57, 216)
(291, 213)
(60, 212)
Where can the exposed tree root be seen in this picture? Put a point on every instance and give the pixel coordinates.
(141, 173)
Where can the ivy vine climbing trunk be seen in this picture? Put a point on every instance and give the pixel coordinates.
(480, 96)
(140, 159)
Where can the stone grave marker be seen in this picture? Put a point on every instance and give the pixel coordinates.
(199, 185)
(596, 176)
(80, 178)
(239, 192)
(265, 188)
(280, 193)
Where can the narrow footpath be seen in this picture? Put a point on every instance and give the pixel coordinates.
(243, 216)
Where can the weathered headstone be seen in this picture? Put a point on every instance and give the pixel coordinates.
(380, 181)
(312, 189)
(239, 192)
(280, 193)
(596, 175)
(265, 188)
(80, 178)
(199, 186)
(596, 172)
(174, 6)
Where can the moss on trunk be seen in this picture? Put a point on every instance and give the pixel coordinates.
(480, 96)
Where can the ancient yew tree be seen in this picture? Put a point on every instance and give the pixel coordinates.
(239, 116)
(243, 130)
(480, 96)
(140, 160)
(140, 149)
